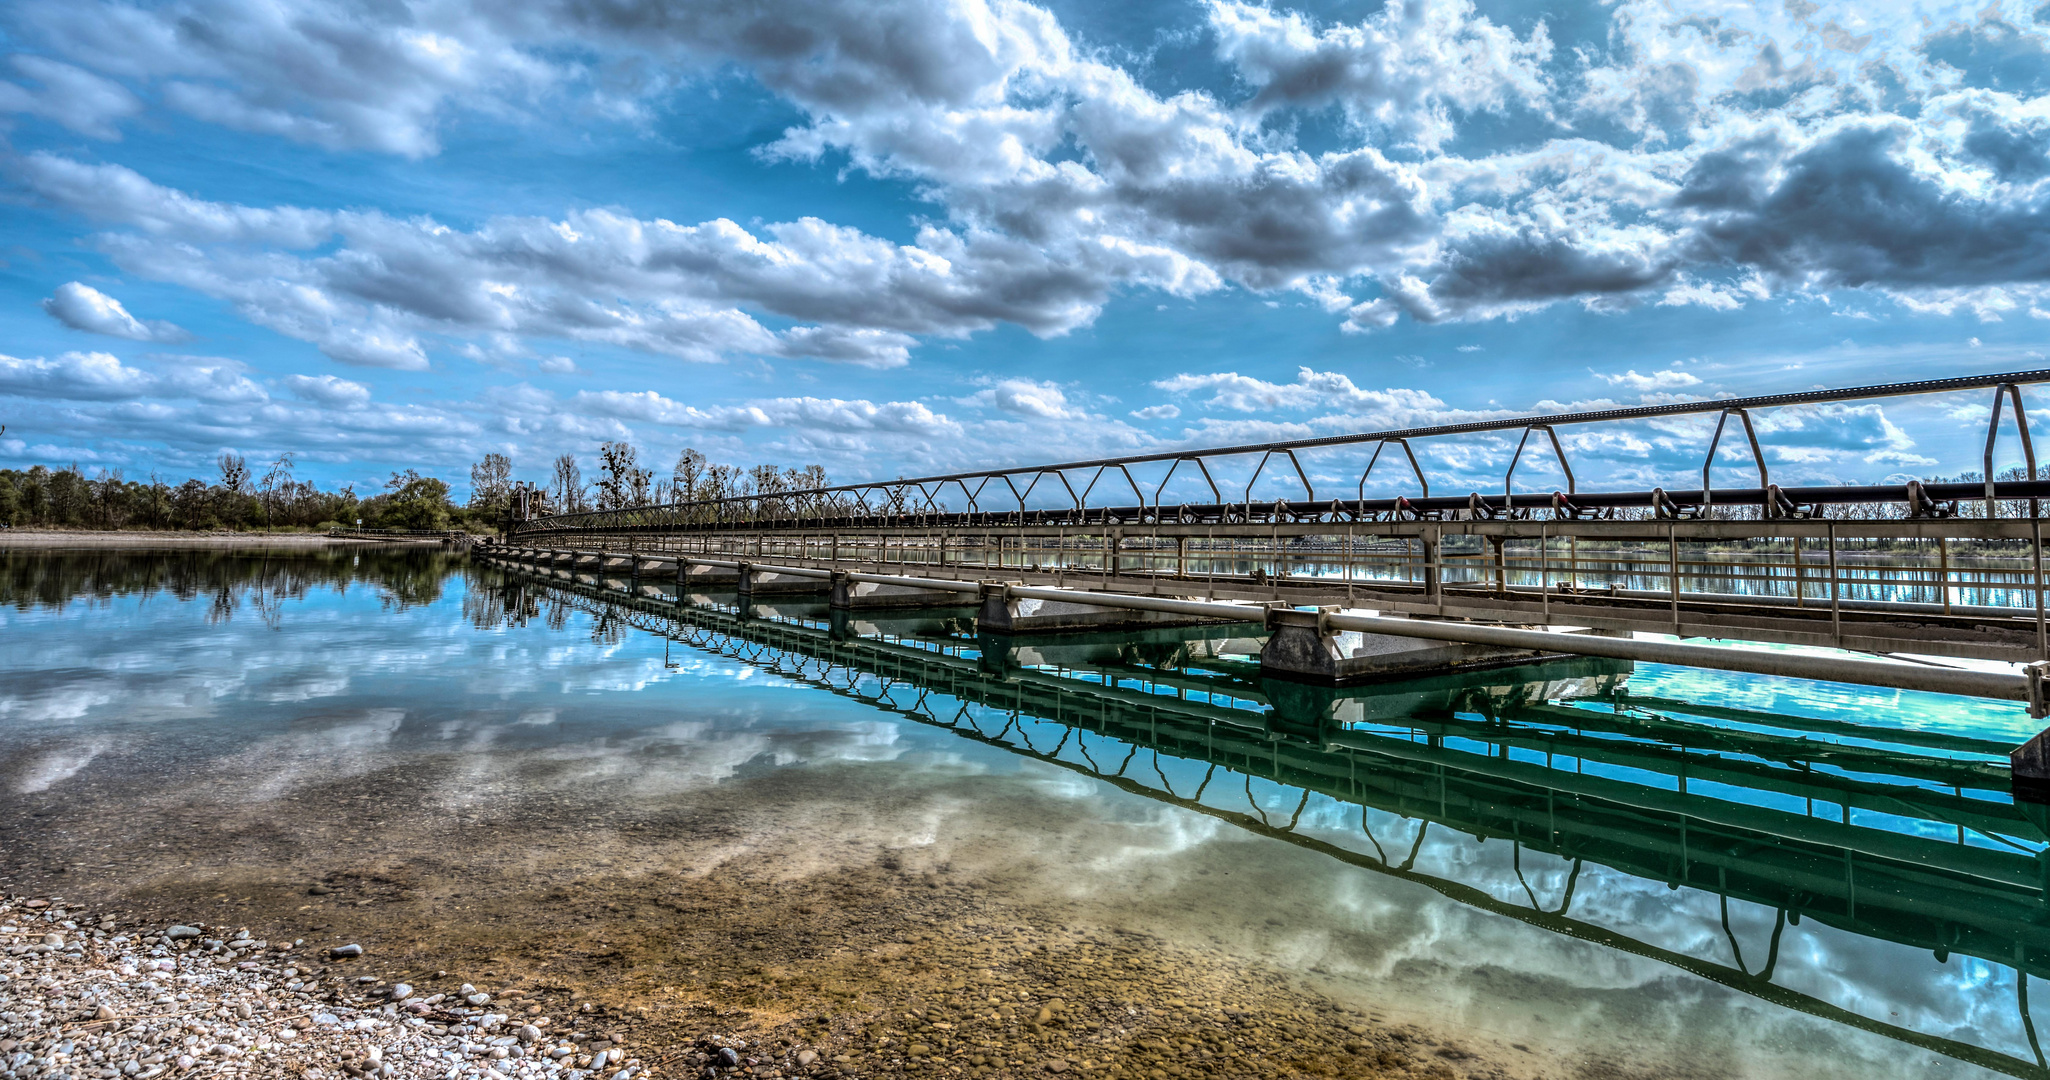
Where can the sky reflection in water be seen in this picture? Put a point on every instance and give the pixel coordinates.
(282, 669)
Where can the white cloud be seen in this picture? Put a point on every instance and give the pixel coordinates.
(71, 96)
(1329, 391)
(327, 390)
(1406, 69)
(823, 414)
(1157, 412)
(1666, 380)
(1747, 135)
(1026, 397)
(98, 376)
(82, 307)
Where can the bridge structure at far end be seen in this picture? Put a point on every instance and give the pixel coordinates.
(1916, 586)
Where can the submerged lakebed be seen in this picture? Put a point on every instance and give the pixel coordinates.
(923, 853)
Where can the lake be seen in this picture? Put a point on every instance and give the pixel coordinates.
(1125, 855)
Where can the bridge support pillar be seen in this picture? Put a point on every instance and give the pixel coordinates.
(755, 583)
(1009, 616)
(848, 595)
(695, 575)
(1301, 648)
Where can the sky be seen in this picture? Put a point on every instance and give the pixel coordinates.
(901, 238)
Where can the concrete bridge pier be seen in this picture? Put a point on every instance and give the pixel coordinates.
(1302, 648)
(850, 595)
(1006, 615)
(697, 575)
(757, 583)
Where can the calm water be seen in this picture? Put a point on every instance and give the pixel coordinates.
(1672, 872)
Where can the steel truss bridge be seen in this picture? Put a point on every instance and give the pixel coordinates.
(1558, 760)
(1938, 573)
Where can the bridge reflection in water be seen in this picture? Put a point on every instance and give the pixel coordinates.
(1778, 824)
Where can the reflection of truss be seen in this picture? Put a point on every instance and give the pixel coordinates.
(1127, 739)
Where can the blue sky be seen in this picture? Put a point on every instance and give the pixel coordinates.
(899, 238)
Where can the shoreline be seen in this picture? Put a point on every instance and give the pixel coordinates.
(108, 540)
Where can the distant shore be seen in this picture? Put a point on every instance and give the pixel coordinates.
(86, 539)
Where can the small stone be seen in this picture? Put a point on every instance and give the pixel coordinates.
(245, 1010)
(1056, 1066)
(807, 1057)
(55, 941)
(479, 999)
(401, 991)
(530, 1034)
(728, 1057)
(318, 889)
(919, 1050)
(343, 952)
(177, 932)
(106, 1012)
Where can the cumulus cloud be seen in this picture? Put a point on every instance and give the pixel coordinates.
(824, 414)
(1327, 391)
(1408, 69)
(98, 376)
(1669, 379)
(82, 307)
(1704, 156)
(1027, 397)
(327, 390)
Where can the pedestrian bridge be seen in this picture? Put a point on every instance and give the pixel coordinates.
(1917, 586)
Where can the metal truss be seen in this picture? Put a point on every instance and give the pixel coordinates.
(1109, 494)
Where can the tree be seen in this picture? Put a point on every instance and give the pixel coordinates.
(234, 473)
(689, 472)
(277, 484)
(622, 483)
(491, 484)
(568, 485)
(411, 501)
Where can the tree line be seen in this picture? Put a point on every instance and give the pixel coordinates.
(268, 496)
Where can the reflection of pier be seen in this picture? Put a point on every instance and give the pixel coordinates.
(1915, 844)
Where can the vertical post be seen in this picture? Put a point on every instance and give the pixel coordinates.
(1501, 565)
(1800, 574)
(1434, 583)
(2036, 554)
(1181, 556)
(1348, 564)
(1545, 570)
(1836, 628)
(1673, 573)
(1943, 568)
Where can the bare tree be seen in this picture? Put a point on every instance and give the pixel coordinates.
(277, 480)
(622, 483)
(689, 472)
(568, 485)
(234, 473)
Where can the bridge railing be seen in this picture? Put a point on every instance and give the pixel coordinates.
(1107, 491)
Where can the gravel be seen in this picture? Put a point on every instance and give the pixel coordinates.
(84, 999)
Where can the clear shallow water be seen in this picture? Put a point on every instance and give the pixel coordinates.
(1669, 871)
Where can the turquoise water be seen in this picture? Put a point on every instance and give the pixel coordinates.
(1664, 871)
